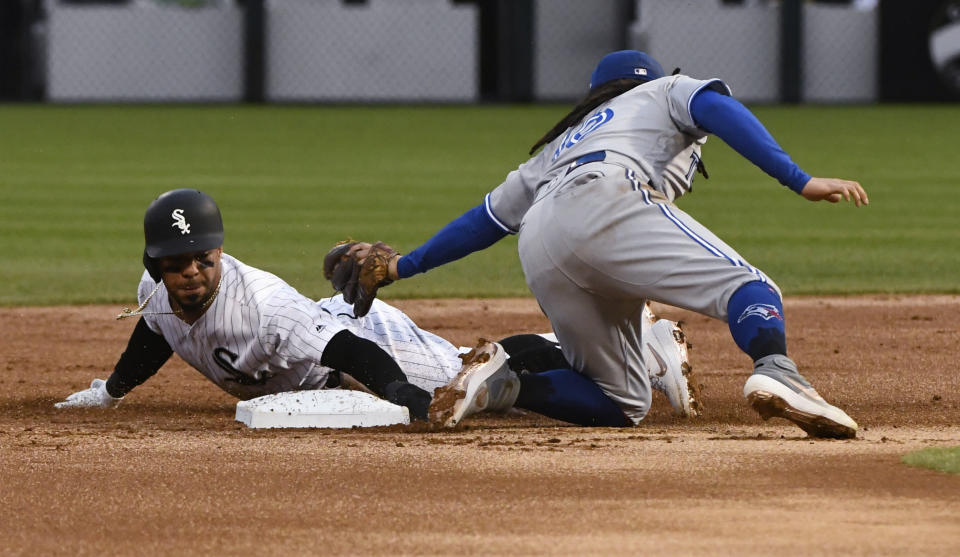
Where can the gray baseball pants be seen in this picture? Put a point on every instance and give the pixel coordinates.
(595, 246)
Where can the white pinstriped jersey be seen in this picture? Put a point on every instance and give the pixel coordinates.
(260, 336)
(427, 360)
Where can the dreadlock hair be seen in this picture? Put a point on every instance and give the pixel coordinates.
(594, 98)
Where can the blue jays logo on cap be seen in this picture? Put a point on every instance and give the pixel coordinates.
(625, 64)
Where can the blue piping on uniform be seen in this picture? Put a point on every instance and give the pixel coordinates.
(706, 245)
(693, 235)
(493, 217)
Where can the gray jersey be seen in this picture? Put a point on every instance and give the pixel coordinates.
(260, 336)
(599, 235)
(647, 129)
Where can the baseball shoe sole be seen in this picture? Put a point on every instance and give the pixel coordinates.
(485, 382)
(790, 396)
(669, 367)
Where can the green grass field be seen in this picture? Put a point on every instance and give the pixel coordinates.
(942, 459)
(292, 180)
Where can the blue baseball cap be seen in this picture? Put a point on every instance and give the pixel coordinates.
(625, 64)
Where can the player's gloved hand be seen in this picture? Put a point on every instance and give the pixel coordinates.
(833, 190)
(341, 269)
(358, 270)
(95, 396)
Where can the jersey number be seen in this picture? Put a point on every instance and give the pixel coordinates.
(583, 130)
(225, 359)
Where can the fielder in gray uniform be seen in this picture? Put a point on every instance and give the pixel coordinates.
(252, 334)
(599, 236)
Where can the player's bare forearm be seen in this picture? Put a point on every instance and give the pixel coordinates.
(834, 190)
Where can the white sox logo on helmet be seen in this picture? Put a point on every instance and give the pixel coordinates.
(179, 221)
(766, 311)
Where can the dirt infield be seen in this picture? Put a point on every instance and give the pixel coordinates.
(171, 472)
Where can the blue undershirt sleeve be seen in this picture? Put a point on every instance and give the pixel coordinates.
(470, 232)
(732, 122)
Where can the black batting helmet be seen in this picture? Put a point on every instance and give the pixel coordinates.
(182, 221)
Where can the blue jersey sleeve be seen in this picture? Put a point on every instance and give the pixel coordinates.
(472, 231)
(729, 120)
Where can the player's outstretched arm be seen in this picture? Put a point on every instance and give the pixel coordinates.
(472, 231)
(368, 363)
(732, 122)
(146, 352)
(351, 270)
(834, 190)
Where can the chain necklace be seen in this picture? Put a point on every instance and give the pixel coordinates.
(179, 312)
(126, 312)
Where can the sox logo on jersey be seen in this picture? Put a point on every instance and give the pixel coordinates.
(225, 359)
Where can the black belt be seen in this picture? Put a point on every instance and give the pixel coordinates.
(600, 156)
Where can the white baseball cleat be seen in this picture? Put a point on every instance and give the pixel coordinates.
(777, 390)
(668, 366)
(485, 382)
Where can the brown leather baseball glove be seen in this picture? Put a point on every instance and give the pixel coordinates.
(358, 270)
